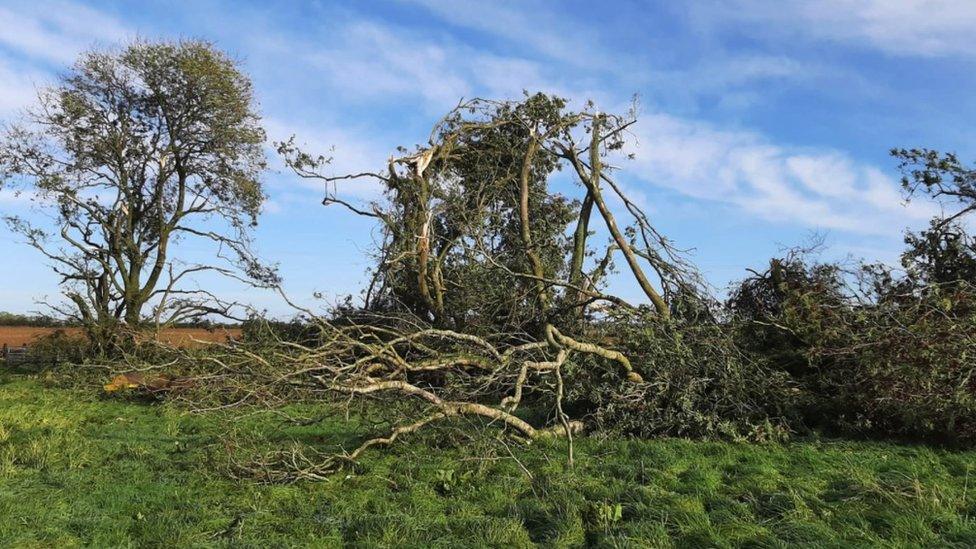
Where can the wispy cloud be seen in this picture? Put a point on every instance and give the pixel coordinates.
(901, 27)
(527, 24)
(373, 62)
(559, 38)
(724, 73)
(369, 61)
(57, 31)
(818, 189)
(18, 87)
(42, 37)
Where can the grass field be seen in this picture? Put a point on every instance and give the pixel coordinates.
(77, 469)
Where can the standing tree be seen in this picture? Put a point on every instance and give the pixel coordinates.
(131, 151)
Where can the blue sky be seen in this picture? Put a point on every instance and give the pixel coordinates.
(761, 121)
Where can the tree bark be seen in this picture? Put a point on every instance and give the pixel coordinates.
(592, 183)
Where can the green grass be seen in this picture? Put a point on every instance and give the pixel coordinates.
(77, 470)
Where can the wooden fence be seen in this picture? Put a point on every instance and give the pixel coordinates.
(15, 355)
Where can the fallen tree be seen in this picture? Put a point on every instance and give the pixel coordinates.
(489, 286)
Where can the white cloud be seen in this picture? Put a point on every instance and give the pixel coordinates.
(46, 33)
(823, 189)
(905, 27)
(57, 31)
(722, 73)
(553, 35)
(18, 87)
(523, 23)
(827, 174)
(368, 61)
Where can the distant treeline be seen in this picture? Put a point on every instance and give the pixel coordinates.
(45, 321)
(14, 319)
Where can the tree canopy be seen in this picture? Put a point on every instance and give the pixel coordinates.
(130, 151)
(475, 237)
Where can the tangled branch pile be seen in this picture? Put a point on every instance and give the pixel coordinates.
(489, 301)
(875, 352)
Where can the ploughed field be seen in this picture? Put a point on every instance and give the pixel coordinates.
(16, 336)
(79, 468)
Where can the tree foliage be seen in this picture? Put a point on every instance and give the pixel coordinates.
(474, 236)
(874, 350)
(938, 175)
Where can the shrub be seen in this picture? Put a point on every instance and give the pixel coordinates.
(57, 348)
(891, 355)
(902, 369)
(697, 384)
(257, 329)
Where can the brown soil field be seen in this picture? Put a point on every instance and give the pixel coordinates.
(15, 336)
